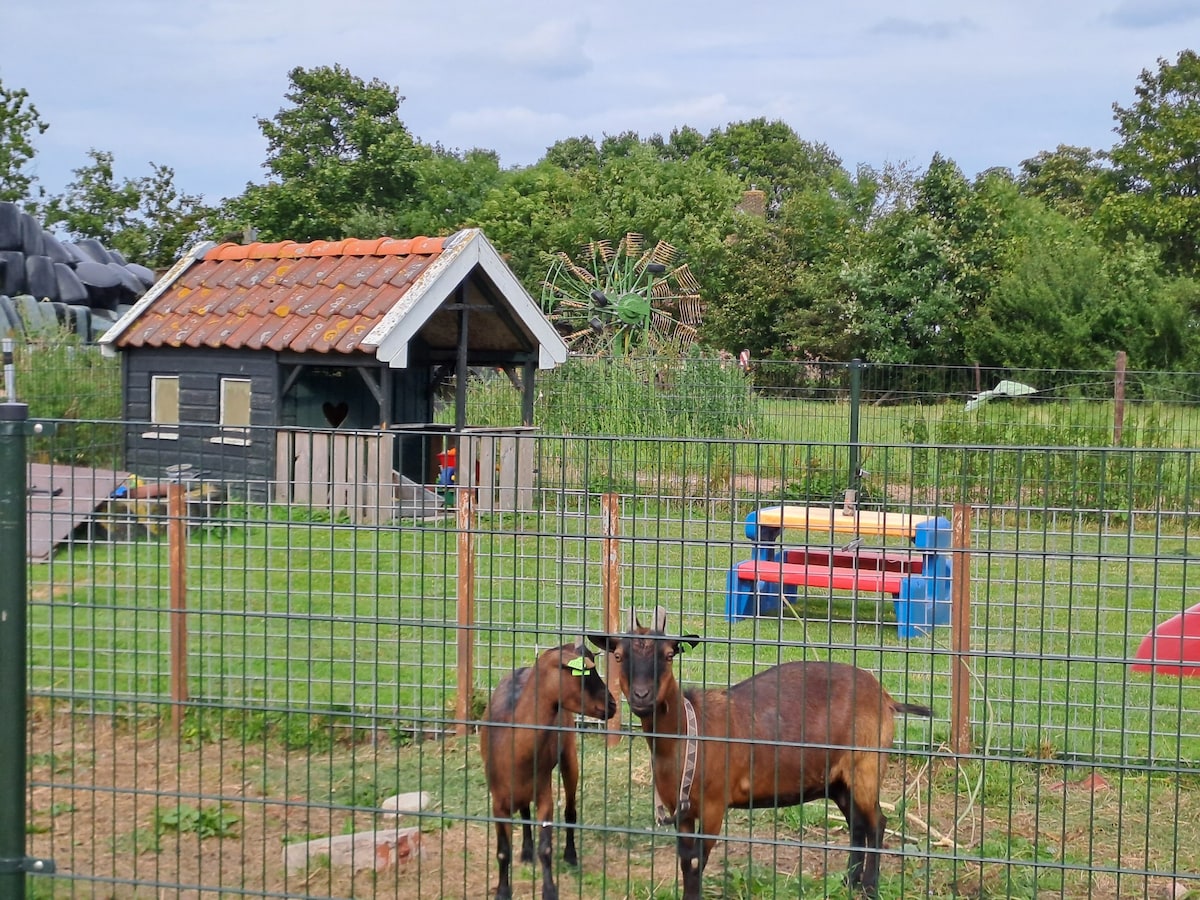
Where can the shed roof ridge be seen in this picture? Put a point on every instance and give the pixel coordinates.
(419, 245)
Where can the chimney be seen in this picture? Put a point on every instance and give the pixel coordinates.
(753, 203)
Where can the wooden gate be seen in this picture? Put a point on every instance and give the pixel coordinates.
(348, 472)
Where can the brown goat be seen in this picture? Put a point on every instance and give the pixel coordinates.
(796, 732)
(527, 730)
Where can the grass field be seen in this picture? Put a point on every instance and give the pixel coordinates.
(330, 618)
(322, 672)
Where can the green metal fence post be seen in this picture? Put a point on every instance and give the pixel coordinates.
(14, 423)
(855, 398)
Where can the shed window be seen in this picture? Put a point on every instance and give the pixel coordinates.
(164, 408)
(235, 412)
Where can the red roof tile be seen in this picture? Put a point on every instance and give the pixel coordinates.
(323, 296)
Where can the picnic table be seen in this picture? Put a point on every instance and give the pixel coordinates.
(917, 580)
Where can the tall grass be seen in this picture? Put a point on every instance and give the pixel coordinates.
(62, 379)
(679, 397)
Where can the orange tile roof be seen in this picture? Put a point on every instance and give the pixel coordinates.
(324, 296)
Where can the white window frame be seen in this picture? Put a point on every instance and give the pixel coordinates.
(164, 427)
(236, 433)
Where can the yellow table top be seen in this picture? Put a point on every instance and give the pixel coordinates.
(824, 518)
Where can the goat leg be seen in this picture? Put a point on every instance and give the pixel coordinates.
(526, 836)
(842, 797)
(866, 841)
(693, 855)
(568, 765)
(874, 842)
(545, 852)
(504, 858)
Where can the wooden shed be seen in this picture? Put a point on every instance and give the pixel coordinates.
(265, 365)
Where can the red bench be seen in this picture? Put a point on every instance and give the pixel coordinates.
(875, 560)
(863, 580)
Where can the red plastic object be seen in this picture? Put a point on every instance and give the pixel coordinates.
(1171, 643)
(865, 580)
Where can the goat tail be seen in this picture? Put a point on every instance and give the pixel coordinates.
(913, 709)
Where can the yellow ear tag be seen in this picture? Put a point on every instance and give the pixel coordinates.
(578, 666)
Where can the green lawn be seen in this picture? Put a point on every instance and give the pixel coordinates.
(324, 618)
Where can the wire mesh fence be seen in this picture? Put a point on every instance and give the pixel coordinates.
(282, 698)
(850, 402)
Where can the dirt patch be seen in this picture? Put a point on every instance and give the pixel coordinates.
(132, 811)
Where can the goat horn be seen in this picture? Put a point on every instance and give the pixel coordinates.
(634, 624)
(660, 619)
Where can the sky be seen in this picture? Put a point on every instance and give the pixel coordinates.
(182, 84)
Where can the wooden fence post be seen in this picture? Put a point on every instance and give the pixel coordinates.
(466, 608)
(960, 630)
(610, 571)
(177, 564)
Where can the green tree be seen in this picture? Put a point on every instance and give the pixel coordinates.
(573, 154)
(1069, 179)
(337, 150)
(772, 157)
(1156, 164)
(450, 189)
(684, 143)
(532, 211)
(549, 207)
(20, 124)
(782, 294)
(147, 219)
(1039, 314)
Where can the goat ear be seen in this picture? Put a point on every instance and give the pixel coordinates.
(691, 640)
(660, 619)
(606, 642)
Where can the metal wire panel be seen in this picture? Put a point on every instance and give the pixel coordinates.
(322, 671)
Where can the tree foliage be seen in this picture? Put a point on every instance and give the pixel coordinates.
(20, 124)
(771, 157)
(1068, 179)
(1156, 163)
(339, 148)
(148, 219)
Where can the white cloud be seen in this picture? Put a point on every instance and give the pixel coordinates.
(554, 49)
(1154, 13)
(182, 84)
(935, 30)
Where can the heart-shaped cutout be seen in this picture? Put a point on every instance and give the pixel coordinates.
(335, 414)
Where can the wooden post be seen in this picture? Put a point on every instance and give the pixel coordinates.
(960, 619)
(610, 575)
(177, 564)
(466, 608)
(1119, 398)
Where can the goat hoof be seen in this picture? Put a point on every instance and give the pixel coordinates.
(855, 885)
(527, 855)
(571, 859)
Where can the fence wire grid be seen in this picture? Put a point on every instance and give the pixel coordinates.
(284, 700)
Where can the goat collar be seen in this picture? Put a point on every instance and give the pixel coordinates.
(687, 776)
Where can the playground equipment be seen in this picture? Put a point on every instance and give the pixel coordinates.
(918, 583)
(1173, 646)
